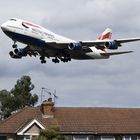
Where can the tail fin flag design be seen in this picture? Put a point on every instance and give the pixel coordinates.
(106, 35)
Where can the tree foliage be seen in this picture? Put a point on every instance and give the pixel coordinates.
(51, 133)
(19, 97)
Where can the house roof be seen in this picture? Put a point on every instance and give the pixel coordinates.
(78, 120)
(19, 120)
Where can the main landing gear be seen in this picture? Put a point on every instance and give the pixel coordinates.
(63, 59)
(55, 60)
(42, 58)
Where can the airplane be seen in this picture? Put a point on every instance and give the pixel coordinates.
(46, 44)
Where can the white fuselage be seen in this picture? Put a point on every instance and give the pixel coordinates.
(29, 29)
(35, 35)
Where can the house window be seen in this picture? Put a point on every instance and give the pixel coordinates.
(127, 138)
(138, 137)
(27, 137)
(24, 137)
(134, 137)
(80, 138)
(107, 138)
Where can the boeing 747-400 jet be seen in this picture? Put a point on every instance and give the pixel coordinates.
(46, 44)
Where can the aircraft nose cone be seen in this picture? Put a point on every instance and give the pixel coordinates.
(3, 27)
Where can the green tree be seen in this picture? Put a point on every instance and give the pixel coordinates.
(51, 133)
(19, 97)
(7, 102)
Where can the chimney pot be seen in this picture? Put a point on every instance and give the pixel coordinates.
(47, 107)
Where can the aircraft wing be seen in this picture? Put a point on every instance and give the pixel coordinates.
(64, 45)
(96, 43)
(115, 53)
(127, 40)
(100, 42)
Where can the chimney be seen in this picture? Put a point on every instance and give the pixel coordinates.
(47, 108)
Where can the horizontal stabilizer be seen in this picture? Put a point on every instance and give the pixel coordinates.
(115, 53)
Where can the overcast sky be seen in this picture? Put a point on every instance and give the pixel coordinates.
(96, 83)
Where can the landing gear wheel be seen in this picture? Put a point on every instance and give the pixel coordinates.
(43, 61)
(42, 58)
(69, 59)
(55, 60)
(65, 59)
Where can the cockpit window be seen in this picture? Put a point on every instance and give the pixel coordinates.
(13, 19)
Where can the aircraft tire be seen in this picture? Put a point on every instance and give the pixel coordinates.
(55, 60)
(42, 58)
(43, 61)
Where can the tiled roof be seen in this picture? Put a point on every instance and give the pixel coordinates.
(99, 120)
(20, 119)
(70, 120)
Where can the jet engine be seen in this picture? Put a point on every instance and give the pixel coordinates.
(75, 46)
(20, 52)
(112, 45)
(15, 56)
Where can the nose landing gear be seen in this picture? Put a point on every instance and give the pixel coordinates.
(14, 45)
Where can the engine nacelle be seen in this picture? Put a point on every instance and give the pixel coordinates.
(15, 56)
(112, 45)
(20, 52)
(75, 46)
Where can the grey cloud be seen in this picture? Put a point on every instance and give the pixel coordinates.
(72, 16)
(113, 82)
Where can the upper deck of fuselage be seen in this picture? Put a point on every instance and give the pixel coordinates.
(24, 27)
(18, 23)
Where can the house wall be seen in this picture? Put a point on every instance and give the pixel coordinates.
(33, 130)
(103, 137)
(8, 137)
(30, 134)
(76, 137)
